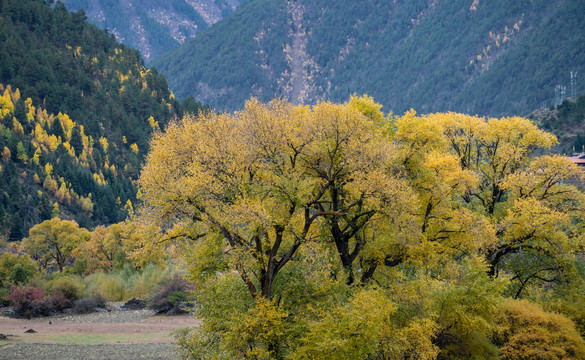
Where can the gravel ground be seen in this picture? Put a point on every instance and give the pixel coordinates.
(109, 317)
(24, 351)
(143, 336)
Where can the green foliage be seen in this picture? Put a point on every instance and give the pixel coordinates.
(350, 331)
(71, 287)
(68, 87)
(491, 58)
(465, 316)
(158, 34)
(567, 122)
(16, 269)
(125, 284)
(52, 242)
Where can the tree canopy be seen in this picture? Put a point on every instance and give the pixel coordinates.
(52, 241)
(336, 229)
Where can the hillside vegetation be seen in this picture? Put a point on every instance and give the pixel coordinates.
(152, 26)
(478, 57)
(567, 122)
(76, 112)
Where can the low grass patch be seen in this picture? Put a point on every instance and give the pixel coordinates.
(89, 339)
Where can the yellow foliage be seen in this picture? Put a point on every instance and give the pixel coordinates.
(36, 156)
(99, 178)
(15, 95)
(153, 124)
(48, 169)
(67, 124)
(52, 142)
(50, 185)
(52, 241)
(6, 105)
(69, 149)
(40, 134)
(104, 142)
(367, 106)
(129, 208)
(87, 205)
(288, 215)
(260, 331)
(17, 126)
(351, 331)
(528, 332)
(30, 110)
(6, 154)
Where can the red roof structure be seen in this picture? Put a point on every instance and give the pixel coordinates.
(578, 158)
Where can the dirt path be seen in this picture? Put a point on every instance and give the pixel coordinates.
(116, 335)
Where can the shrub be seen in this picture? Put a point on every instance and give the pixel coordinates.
(16, 269)
(29, 302)
(58, 301)
(169, 295)
(69, 286)
(145, 282)
(526, 331)
(21, 274)
(4, 297)
(126, 283)
(100, 301)
(85, 305)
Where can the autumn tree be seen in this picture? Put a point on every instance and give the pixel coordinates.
(100, 250)
(51, 242)
(534, 214)
(270, 178)
(334, 231)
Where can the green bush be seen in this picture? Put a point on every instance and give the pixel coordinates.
(4, 297)
(126, 283)
(16, 269)
(70, 286)
(108, 285)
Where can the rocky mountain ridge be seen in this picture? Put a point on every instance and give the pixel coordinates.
(152, 26)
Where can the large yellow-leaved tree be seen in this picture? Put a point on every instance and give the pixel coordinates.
(333, 231)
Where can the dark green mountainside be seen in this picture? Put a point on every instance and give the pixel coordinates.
(566, 121)
(474, 56)
(76, 112)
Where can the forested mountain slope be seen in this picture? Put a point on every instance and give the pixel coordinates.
(76, 112)
(474, 56)
(566, 121)
(153, 26)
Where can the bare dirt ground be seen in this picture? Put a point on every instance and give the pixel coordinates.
(120, 335)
